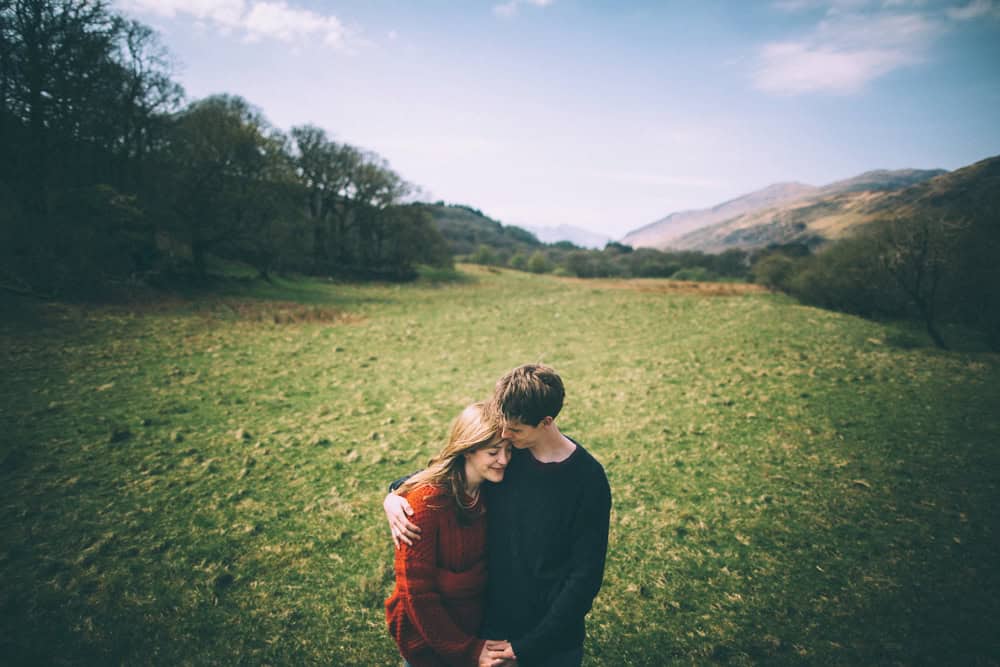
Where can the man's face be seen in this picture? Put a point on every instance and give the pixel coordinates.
(521, 435)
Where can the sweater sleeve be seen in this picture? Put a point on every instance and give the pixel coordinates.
(416, 569)
(584, 574)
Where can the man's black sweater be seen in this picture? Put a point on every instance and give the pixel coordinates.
(547, 538)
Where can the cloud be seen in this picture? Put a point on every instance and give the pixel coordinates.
(974, 10)
(845, 52)
(255, 20)
(510, 8)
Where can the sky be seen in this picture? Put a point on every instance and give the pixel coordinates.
(606, 115)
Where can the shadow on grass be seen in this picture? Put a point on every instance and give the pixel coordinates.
(899, 567)
(910, 335)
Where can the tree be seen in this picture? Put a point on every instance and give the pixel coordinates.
(484, 255)
(325, 169)
(773, 271)
(81, 90)
(411, 239)
(539, 263)
(375, 188)
(917, 251)
(615, 246)
(231, 177)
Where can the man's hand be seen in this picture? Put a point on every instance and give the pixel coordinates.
(396, 510)
(497, 653)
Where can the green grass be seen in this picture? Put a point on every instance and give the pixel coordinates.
(199, 481)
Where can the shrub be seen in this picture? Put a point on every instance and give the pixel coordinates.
(539, 263)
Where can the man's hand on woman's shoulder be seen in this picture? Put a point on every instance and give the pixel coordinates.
(397, 511)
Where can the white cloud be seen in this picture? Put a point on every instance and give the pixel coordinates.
(974, 10)
(844, 53)
(279, 21)
(255, 20)
(510, 8)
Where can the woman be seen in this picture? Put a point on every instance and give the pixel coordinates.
(437, 606)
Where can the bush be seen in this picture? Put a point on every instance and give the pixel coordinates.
(694, 273)
(539, 263)
(773, 271)
(483, 255)
(847, 277)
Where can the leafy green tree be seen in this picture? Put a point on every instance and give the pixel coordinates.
(83, 93)
(484, 255)
(412, 239)
(615, 246)
(539, 263)
(773, 271)
(230, 180)
(325, 170)
(375, 187)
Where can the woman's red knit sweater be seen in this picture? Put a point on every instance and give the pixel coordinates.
(436, 609)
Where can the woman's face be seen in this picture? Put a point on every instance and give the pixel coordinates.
(487, 464)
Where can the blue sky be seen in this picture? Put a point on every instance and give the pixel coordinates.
(607, 115)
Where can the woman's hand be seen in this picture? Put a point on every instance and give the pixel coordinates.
(497, 653)
(397, 509)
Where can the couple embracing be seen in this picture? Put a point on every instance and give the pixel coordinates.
(501, 540)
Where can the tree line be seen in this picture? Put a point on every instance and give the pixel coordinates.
(616, 260)
(933, 268)
(108, 176)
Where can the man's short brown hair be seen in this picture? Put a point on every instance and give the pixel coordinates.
(529, 394)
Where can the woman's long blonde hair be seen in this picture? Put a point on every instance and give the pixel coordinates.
(471, 430)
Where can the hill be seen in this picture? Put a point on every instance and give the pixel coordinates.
(848, 205)
(466, 228)
(881, 180)
(575, 235)
(661, 233)
(775, 214)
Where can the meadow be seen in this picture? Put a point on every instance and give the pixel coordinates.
(196, 481)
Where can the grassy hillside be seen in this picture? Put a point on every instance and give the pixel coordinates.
(847, 206)
(199, 482)
(467, 228)
(778, 213)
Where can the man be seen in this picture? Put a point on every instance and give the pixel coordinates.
(547, 529)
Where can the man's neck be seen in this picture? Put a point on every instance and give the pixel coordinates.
(554, 447)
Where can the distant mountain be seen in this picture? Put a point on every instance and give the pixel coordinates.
(466, 228)
(777, 214)
(849, 205)
(575, 235)
(660, 234)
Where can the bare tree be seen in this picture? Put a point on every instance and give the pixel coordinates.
(917, 252)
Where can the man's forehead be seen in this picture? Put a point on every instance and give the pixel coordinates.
(513, 422)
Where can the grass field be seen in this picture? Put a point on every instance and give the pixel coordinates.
(199, 481)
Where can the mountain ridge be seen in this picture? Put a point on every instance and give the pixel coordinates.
(686, 230)
(967, 192)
